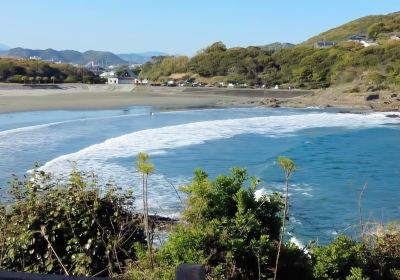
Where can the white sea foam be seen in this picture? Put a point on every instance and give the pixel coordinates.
(12, 132)
(103, 157)
(299, 244)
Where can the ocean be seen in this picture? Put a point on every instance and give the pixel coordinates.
(336, 154)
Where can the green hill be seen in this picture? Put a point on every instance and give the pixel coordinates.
(384, 24)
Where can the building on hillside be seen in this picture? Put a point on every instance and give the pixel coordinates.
(135, 65)
(324, 44)
(35, 57)
(357, 38)
(362, 39)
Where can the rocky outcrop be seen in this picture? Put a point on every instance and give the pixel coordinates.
(271, 102)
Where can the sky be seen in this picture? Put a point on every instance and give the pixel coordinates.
(173, 26)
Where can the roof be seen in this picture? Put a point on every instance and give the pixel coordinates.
(358, 37)
(325, 43)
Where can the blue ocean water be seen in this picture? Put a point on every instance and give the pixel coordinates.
(337, 154)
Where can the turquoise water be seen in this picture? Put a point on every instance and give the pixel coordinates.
(336, 153)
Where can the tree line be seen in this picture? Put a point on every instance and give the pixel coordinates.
(37, 72)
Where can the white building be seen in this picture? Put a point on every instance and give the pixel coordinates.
(112, 81)
(107, 75)
(368, 43)
(123, 81)
(35, 57)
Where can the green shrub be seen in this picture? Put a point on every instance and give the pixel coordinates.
(335, 260)
(227, 229)
(54, 227)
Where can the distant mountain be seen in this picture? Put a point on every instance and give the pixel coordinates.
(152, 53)
(139, 57)
(69, 56)
(383, 23)
(277, 46)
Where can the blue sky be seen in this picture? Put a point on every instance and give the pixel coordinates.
(173, 26)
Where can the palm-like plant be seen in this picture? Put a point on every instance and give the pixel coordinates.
(31, 79)
(45, 79)
(145, 168)
(53, 78)
(38, 79)
(288, 167)
(24, 78)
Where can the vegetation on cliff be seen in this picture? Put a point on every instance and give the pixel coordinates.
(375, 67)
(368, 68)
(370, 25)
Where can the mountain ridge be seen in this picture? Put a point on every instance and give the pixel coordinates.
(67, 56)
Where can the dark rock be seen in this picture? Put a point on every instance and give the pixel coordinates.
(393, 95)
(351, 112)
(393, 116)
(372, 97)
(271, 102)
(275, 104)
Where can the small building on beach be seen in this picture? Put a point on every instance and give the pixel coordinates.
(112, 81)
(126, 78)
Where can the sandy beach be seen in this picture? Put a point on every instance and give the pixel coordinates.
(17, 99)
(77, 96)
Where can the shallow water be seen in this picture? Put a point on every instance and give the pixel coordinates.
(336, 154)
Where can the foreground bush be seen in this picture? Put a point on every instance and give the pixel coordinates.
(67, 228)
(227, 229)
(376, 256)
(73, 228)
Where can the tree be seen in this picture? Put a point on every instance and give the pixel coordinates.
(145, 168)
(24, 78)
(53, 79)
(38, 79)
(31, 79)
(288, 167)
(45, 79)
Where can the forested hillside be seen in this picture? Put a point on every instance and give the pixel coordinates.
(33, 71)
(301, 66)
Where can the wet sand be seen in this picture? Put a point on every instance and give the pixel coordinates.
(19, 98)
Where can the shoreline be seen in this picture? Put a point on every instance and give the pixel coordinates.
(97, 97)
